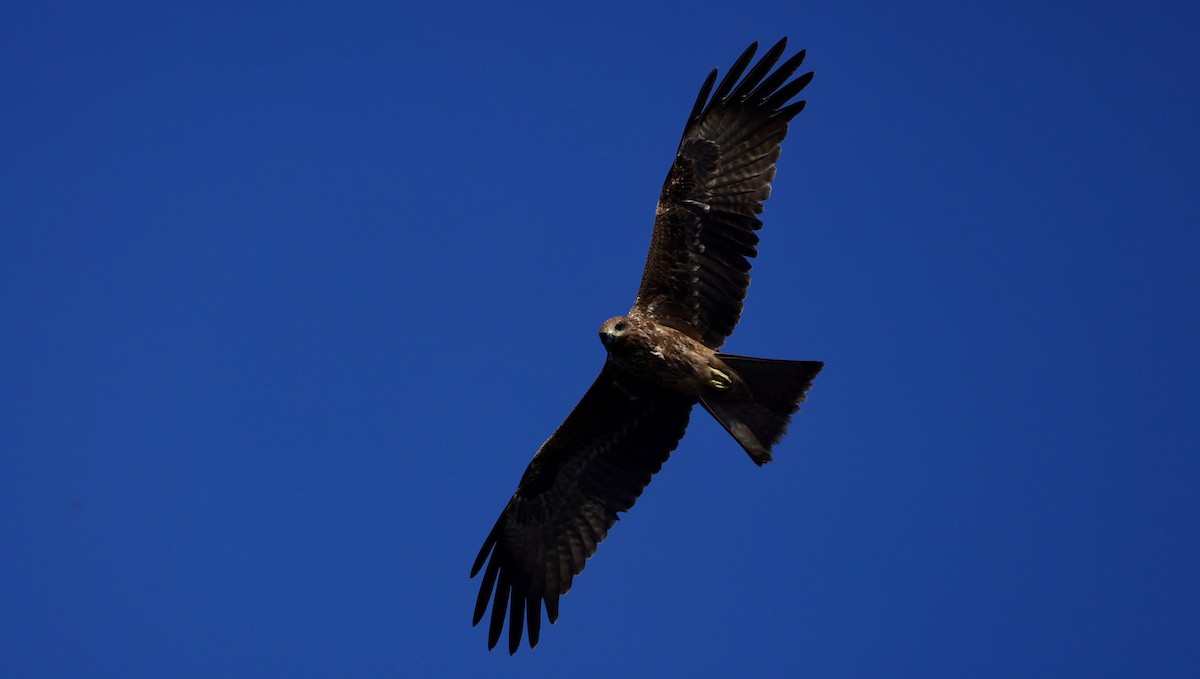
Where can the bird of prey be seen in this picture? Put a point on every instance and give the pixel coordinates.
(662, 355)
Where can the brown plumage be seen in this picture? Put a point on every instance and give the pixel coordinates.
(662, 355)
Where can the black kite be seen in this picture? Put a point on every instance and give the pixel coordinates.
(662, 356)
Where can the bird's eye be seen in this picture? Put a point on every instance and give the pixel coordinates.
(620, 326)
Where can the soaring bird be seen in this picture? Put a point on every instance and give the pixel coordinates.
(662, 356)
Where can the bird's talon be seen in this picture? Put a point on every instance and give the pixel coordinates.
(719, 380)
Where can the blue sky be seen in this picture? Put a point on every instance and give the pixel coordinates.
(293, 293)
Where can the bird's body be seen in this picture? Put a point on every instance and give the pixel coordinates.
(663, 355)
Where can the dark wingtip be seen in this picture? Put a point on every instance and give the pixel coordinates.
(499, 608)
(533, 617)
(488, 544)
(516, 621)
(480, 559)
(760, 70)
(791, 110)
(732, 75)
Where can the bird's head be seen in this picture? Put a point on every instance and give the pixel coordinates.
(612, 329)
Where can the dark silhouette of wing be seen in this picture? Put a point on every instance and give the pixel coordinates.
(594, 466)
(698, 268)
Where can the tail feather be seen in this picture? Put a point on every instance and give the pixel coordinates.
(776, 390)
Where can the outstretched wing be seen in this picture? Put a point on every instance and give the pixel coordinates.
(704, 228)
(594, 466)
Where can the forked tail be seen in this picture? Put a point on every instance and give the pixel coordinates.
(776, 390)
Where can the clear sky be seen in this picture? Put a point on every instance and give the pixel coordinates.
(291, 294)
